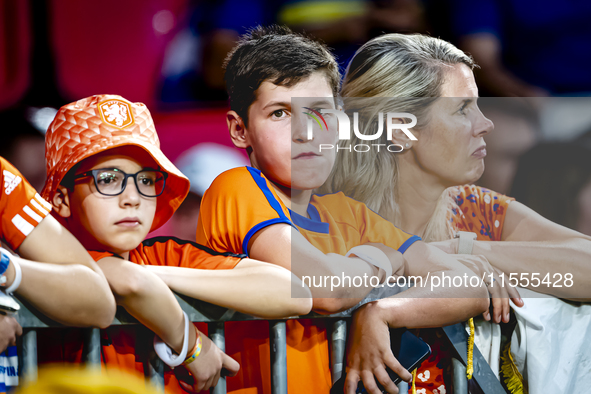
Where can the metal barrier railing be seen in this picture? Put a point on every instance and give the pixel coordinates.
(215, 316)
(198, 311)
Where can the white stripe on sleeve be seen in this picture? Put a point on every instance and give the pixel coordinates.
(22, 225)
(32, 214)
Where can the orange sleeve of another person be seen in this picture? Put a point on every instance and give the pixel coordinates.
(21, 207)
(238, 203)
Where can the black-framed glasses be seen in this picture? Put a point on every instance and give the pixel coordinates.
(112, 181)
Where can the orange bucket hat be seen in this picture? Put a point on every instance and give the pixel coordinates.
(99, 123)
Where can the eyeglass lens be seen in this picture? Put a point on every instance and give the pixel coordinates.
(149, 183)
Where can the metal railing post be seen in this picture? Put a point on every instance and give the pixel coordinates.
(278, 344)
(92, 348)
(218, 336)
(338, 342)
(154, 371)
(29, 367)
(459, 379)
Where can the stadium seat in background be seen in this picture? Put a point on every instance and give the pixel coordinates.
(15, 51)
(111, 46)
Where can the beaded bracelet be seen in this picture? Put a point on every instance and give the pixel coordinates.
(196, 350)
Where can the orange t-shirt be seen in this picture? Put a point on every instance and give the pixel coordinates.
(126, 347)
(21, 207)
(481, 211)
(241, 202)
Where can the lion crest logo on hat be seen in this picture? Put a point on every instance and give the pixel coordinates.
(116, 113)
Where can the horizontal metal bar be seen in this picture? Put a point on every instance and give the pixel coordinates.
(198, 311)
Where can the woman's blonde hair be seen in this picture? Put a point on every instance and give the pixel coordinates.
(391, 73)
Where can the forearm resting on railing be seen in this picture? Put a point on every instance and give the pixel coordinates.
(70, 294)
(552, 262)
(252, 287)
(147, 298)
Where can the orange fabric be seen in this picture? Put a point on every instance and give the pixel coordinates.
(481, 211)
(350, 223)
(174, 252)
(239, 203)
(99, 123)
(233, 206)
(21, 208)
(125, 347)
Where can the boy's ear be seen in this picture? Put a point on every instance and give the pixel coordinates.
(237, 130)
(61, 202)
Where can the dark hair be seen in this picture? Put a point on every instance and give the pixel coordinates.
(276, 54)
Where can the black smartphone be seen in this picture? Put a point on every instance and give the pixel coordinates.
(409, 350)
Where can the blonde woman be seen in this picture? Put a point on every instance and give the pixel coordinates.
(426, 187)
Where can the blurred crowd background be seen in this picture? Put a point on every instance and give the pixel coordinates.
(534, 59)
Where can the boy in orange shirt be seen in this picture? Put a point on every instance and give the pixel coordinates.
(268, 212)
(110, 184)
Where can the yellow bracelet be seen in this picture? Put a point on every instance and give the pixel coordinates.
(196, 350)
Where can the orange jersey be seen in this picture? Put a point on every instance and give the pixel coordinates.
(481, 211)
(241, 202)
(126, 347)
(21, 208)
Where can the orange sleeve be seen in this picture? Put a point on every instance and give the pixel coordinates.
(174, 252)
(482, 211)
(375, 228)
(239, 203)
(21, 207)
(101, 255)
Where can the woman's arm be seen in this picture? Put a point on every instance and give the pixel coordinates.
(532, 244)
(71, 289)
(252, 287)
(442, 299)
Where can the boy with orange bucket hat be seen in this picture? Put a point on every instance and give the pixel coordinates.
(110, 184)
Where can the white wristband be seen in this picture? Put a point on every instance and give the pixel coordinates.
(165, 352)
(18, 276)
(18, 273)
(374, 256)
(465, 242)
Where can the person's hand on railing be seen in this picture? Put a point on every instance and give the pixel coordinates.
(498, 287)
(370, 353)
(395, 257)
(206, 369)
(9, 330)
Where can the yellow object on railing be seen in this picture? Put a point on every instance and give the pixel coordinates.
(470, 367)
(513, 379)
